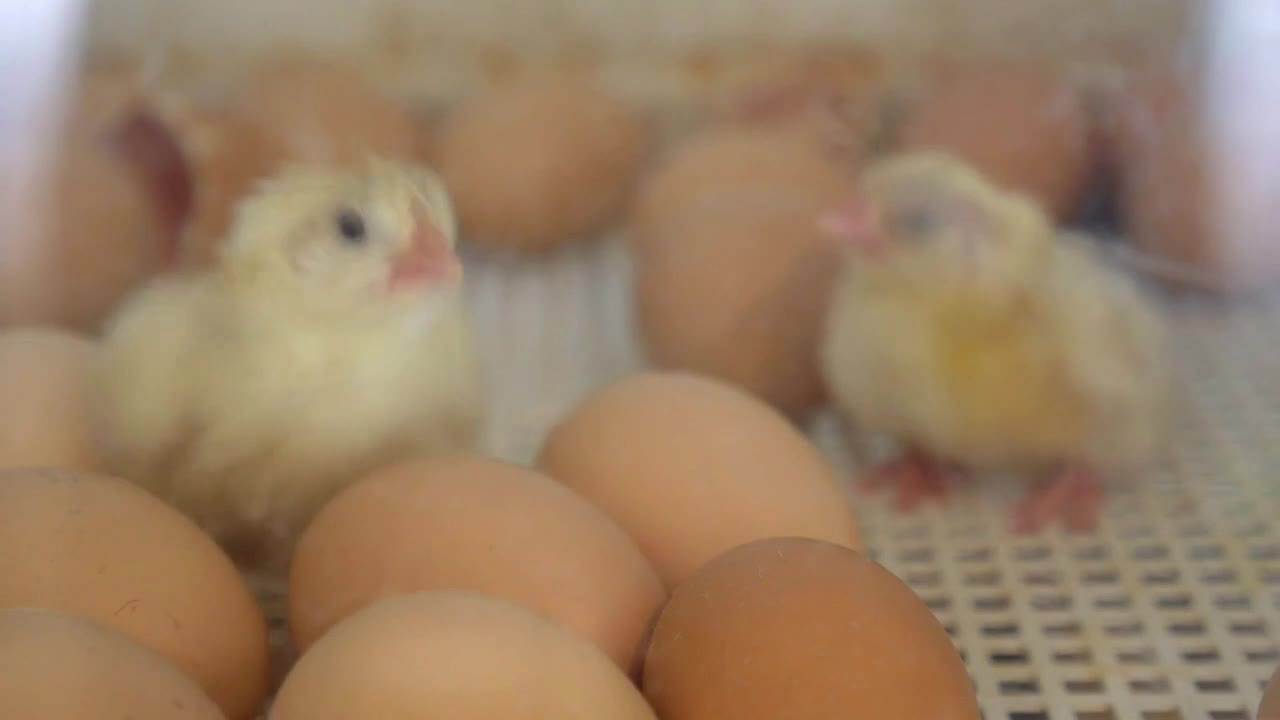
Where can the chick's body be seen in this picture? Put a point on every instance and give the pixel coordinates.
(250, 394)
(988, 340)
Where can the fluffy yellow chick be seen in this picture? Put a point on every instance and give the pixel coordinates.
(329, 338)
(968, 328)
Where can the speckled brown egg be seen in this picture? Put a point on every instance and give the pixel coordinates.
(1269, 708)
(1023, 124)
(471, 523)
(323, 110)
(798, 628)
(101, 548)
(692, 467)
(63, 667)
(46, 377)
(540, 161)
(118, 194)
(455, 654)
(1197, 188)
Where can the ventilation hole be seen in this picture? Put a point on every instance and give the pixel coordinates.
(927, 579)
(952, 630)
(1251, 627)
(1148, 553)
(1127, 629)
(1102, 714)
(1029, 715)
(1029, 686)
(1113, 602)
(1170, 714)
(1265, 655)
(1165, 576)
(1150, 686)
(1193, 531)
(1073, 657)
(1201, 656)
(1052, 603)
(1092, 552)
(1234, 714)
(1000, 630)
(1206, 552)
(988, 578)
(1174, 602)
(1009, 657)
(912, 532)
(917, 556)
(940, 603)
(1086, 686)
(1232, 602)
(1218, 576)
(1136, 656)
(1216, 685)
(1041, 579)
(1265, 552)
(1271, 576)
(1137, 532)
(995, 603)
(1067, 629)
(1187, 628)
(1036, 553)
(1100, 577)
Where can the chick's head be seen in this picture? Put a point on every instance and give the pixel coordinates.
(927, 217)
(330, 241)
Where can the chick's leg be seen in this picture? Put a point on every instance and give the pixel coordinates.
(1074, 495)
(914, 476)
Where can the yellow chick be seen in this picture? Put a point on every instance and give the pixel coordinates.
(964, 325)
(329, 338)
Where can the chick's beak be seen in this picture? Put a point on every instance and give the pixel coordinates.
(427, 261)
(856, 223)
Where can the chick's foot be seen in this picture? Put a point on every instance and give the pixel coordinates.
(1074, 496)
(914, 476)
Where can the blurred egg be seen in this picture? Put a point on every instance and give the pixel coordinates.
(1023, 124)
(732, 275)
(727, 170)
(45, 379)
(540, 161)
(476, 524)
(797, 628)
(1197, 193)
(692, 467)
(101, 548)
(458, 655)
(118, 195)
(322, 110)
(62, 667)
(1269, 709)
(228, 154)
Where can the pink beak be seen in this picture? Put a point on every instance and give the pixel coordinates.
(428, 260)
(857, 224)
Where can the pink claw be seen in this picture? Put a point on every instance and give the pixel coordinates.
(1074, 496)
(915, 478)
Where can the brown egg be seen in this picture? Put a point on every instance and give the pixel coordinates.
(540, 161)
(228, 155)
(692, 467)
(119, 193)
(1196, 193)
(325, 111)
(732, 275)
(727, 170)
(1269, 709)
(45, 380)
(524, 537)
(1021, 123)
(458, 655)
(797, 628)
(101, 548)
(62, 667)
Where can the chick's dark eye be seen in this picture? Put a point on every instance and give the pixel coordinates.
(351, 226)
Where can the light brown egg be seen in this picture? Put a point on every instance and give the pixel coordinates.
(540, 161)
(101, 548)
(46, 379)
(1194, 192)
(455, 654)
(322, 110)
(476, 524)
(732, 275)
(797, 628)
(1269, 709)
(63, 667)
(692, 467)
(1021, 123)
(119, 193)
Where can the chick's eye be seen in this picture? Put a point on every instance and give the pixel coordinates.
(351, 226)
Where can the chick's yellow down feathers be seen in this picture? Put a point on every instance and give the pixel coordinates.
(965, 325)
(329, 338)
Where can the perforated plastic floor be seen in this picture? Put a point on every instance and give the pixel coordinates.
(1170, 612)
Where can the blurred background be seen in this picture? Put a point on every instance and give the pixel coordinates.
(587, 142)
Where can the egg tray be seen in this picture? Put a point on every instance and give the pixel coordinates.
(1170, 611)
